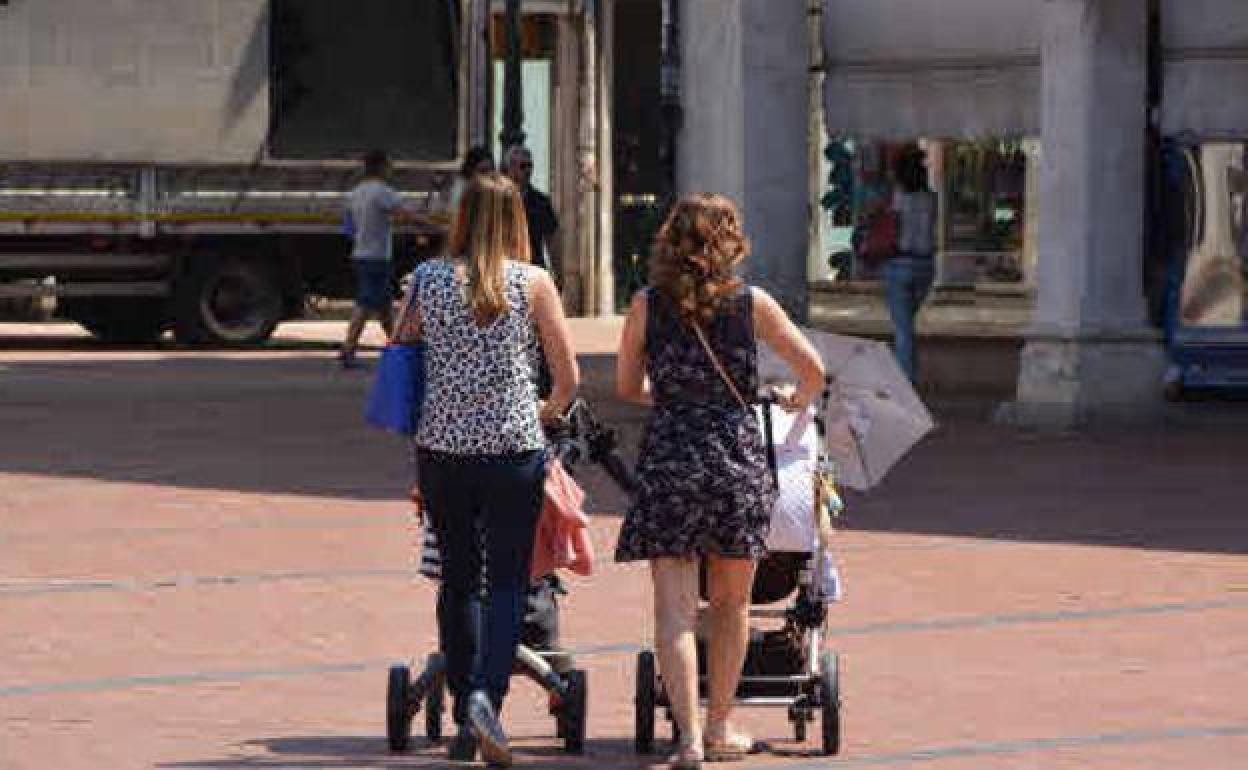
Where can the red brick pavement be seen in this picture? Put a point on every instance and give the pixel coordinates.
(203, 564)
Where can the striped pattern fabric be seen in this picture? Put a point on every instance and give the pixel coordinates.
(426, 552)
(424, 547)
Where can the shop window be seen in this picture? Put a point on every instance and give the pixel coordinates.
(984, 185)
(981, 233)
(1205, 211)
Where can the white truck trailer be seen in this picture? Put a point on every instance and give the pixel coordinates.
(181, 164)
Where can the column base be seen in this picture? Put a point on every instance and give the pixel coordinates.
(1066, 381)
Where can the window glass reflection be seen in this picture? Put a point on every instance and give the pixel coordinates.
(1214, 250)
(986, 224)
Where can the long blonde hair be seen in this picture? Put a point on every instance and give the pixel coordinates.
(696, 254)
(490, 228)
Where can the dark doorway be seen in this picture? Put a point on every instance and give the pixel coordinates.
(347, 77)
(637, 127)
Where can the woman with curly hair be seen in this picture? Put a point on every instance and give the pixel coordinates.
(704, 492)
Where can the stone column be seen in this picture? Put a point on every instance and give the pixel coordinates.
(569, 114)
(587, 168)
(1090, 353)
(1031, 212)
(938, 179)
(479, 64)
(816, 140)
(744, 84)
(604, 260)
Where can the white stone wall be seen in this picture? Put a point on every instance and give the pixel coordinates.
(951, 69)
(711, 152)
(1092, 170)
(133, 80)
(1206, 76)
(745, 128)
(1089, 353)
(777, 126)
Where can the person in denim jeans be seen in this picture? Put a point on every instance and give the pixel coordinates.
(908, 275)
(480, 448)
(371, 206)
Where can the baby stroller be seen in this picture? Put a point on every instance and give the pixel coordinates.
(579, 437)
(786, 665)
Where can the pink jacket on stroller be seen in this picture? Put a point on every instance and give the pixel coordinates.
(562, 538)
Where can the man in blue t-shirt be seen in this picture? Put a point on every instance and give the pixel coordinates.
(370, 207)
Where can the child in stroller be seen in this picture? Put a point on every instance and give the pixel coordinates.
(579, 437)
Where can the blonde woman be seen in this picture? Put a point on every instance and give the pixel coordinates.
(704, 489)
(480, 447)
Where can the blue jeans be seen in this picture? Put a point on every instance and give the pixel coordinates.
(372, 284)
(502, 496)
(907, 280)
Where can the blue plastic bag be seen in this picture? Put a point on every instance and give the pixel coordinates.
(394, 403)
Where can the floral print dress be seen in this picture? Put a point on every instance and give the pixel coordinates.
(703, 484)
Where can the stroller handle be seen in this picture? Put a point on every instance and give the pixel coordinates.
(578, 435)
(619, 472)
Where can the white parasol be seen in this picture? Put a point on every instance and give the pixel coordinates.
(873, 416)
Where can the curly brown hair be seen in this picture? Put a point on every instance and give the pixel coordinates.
(696, 254)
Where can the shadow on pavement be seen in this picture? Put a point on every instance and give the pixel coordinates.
(289, 425)
(281, 424)
(74, 343)
(343, 751)
(292, 424)
(1176, 488)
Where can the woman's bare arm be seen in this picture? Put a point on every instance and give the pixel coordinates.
(630, 364)
(552, 327)
(773, 326)
(407, 332)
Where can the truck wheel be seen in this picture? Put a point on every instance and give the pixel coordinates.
(121, 320)
(228, 302)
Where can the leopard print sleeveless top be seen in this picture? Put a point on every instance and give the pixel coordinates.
(480, 382)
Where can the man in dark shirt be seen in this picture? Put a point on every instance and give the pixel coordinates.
(543, 224)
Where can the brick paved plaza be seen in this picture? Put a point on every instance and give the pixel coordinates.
(204, 564)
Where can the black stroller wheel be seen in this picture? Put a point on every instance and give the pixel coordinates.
(435, 705)
(830, 701)
(574, 712)
(398, 710)
(645, 703)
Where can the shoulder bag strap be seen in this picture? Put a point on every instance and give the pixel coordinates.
(723, 373)
(396, 336)
(766, 407)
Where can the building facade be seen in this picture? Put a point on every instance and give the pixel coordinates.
(1047, 125)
